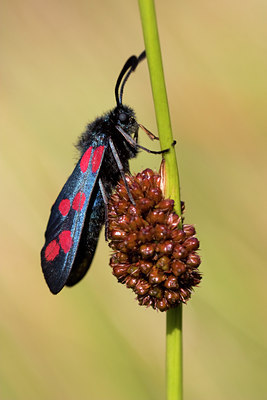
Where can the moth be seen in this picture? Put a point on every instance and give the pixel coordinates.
(80, 210)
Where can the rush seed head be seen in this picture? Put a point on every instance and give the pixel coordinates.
(152, 255)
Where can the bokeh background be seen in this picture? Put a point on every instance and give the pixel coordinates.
(59, 63)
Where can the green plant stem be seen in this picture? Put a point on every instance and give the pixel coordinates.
(174, 369)
(174, 354)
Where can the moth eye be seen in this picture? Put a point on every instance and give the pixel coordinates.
(123, 117)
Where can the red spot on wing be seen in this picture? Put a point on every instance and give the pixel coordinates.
(65, 241)
(97, 158)
(85, 159)
(52, 250)
(78, 201)
(64, 207)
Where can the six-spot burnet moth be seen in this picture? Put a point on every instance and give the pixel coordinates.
(81, 208)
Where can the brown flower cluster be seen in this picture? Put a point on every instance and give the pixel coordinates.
(151, 254)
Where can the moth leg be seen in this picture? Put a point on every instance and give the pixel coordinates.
(132, 142)
(119, 164)
(149, 133)
(105, 199)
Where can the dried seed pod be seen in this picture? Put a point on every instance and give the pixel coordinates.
(152, 254)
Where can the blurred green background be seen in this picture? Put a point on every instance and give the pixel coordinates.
(59, 63)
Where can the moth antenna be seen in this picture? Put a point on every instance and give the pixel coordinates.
(126, 71)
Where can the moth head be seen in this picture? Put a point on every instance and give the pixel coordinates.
(124, 117)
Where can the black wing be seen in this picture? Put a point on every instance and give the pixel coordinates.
(67, 219)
